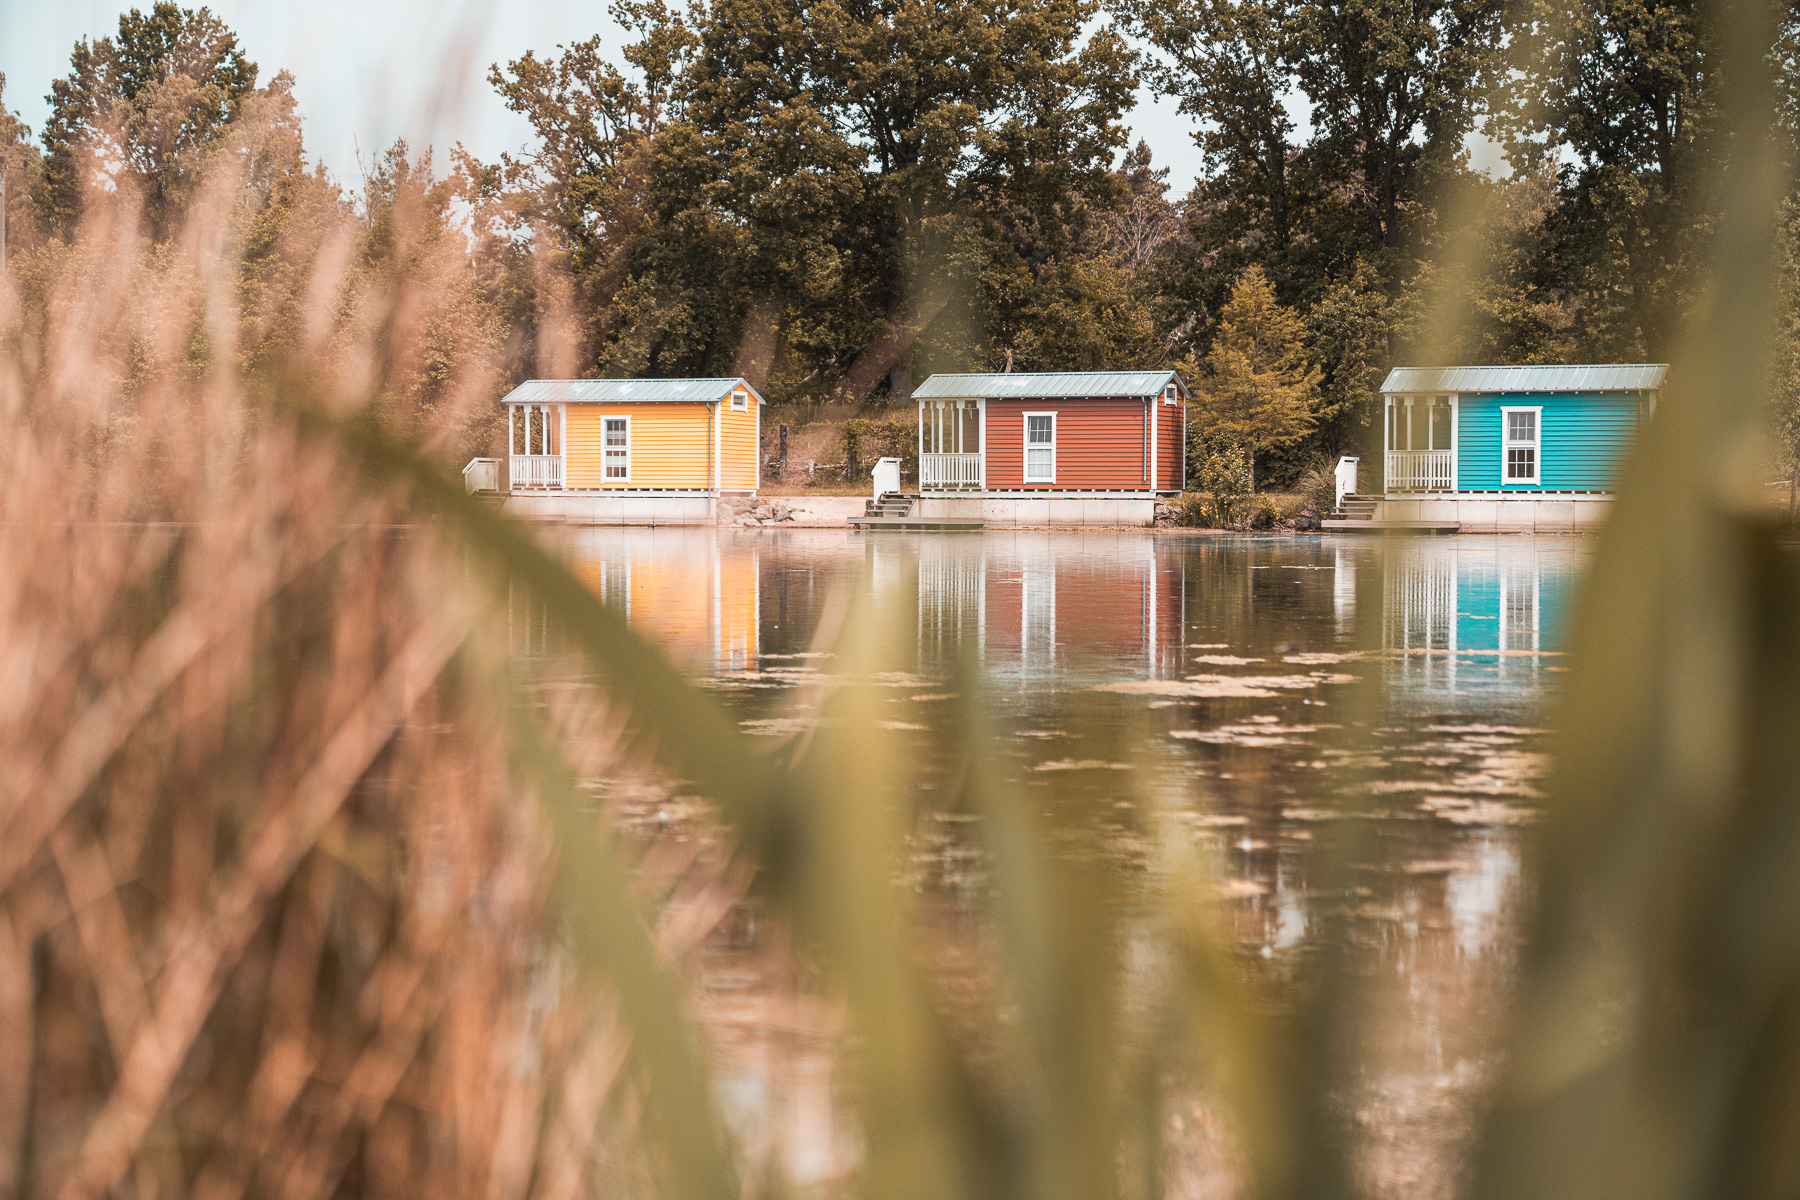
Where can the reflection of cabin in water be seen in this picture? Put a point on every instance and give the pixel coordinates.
(1496, 608)
(696, 596)
(1521, 448)
(626, 451)
(1021, 605)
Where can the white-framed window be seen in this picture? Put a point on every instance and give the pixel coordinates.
(1171, 395)
(1040, 447)
(740, 401)
(1521, 445)
(615, 449)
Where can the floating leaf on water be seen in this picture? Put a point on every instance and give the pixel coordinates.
(779, 726)
(1222, 685)
(1460, 811)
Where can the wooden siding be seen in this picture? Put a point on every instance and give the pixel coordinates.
(1099, 444)
(1171, 436)
(1582, 441)
(737, 465)
(669, 446)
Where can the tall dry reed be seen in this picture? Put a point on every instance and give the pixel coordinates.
(307, 889)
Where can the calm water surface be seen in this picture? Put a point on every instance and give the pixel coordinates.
(1214, 680)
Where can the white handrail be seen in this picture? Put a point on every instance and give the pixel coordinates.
(536, 471)
(1421, 471)
(949, 470)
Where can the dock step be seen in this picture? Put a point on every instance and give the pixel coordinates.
(888, 504)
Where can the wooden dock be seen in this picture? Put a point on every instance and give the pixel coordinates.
(940, 524)
(1353, 526)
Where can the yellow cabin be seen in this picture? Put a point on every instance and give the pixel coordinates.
(630, 451)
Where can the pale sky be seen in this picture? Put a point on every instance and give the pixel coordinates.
(368, 71)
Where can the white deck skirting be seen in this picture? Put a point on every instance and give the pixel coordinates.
(1104, 509)
(1565, 512)
(615, 507)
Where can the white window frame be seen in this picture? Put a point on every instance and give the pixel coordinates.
(1025, 434)
(740, 401)
(606, 454)
(1171, 395)
(1537, 444)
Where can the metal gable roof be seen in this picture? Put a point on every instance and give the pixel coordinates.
(614, 391)
(1611, 377)
(1025, 385)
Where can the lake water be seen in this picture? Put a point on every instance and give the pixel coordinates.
(1270, 692)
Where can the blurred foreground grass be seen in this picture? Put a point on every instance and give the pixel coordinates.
(305, 890)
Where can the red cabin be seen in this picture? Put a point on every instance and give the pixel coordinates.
(1071, 435)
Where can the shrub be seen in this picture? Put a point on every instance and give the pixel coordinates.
(1194, 509)
(1318, 489)
(1225, 476)
(865, 439)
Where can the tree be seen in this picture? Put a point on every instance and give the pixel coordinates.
(1625, 86)
(1230, 66)
(1394, 89)
(1784, 375)
(23, 168)
(867, 161)
(594, 125)
(140, 108)
(1258, 389)
(1347, 337)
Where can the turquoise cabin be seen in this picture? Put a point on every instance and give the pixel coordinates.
(1500, 433)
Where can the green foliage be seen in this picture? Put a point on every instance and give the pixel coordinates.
(24, 167)
(1194, 509)
(1784, 380)
(886, 438)
(142, 107)
(1318, 489)
(1225, 478)
(1627, 86)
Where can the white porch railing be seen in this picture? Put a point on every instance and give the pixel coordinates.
(482, 475)
(1420, 471)
(536, 471)
(949, 471)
